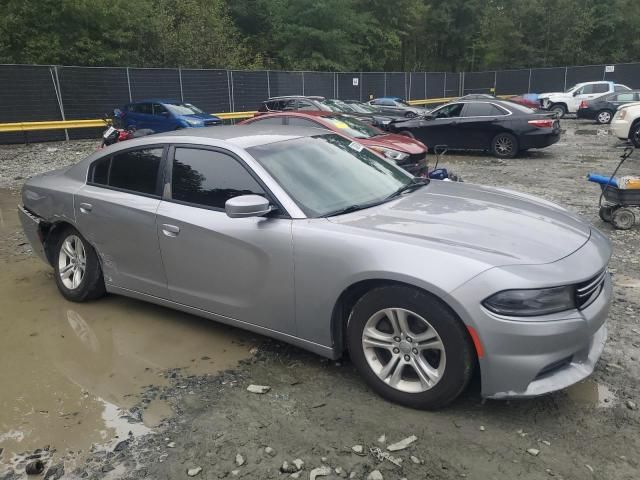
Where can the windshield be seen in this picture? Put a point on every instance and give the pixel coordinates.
(403, 102)
(352, 127)
(338, 106)
(183, 108)
(327, 173)
(363, 108)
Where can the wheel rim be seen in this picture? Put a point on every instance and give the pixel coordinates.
(604, 117)
(636, 137)
(625, 219)
(559, 111)
(72, 262)
(504, 145)
(404, 350)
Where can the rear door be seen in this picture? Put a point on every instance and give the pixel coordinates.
(116, 212)
(587, 92)
(479, 123)
(239, 268)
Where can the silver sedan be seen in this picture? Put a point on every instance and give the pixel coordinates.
(308, 237)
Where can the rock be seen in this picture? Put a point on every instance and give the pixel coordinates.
(546, 442)
(482, 429)
(171, 445)
(353, 475)
(259, 389)
(375, 475)
(55, 472)
(34, 468)
(192, 472)
(288, 467)
(359, 449)
(235, 473)
(415, 460)
(269, 451)
(340, 471)
(319, 472)
(239, 460)
(589, 467)
(382, 438)
(295, 475)
(107, 468)
(402, 444)
(52, 149)
(120, 446)
(533, 451)
(299, 463)
(631, 405)
(324, 459)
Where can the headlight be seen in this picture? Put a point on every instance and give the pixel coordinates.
(390, 153)
(528, 303)
(193, 122)
(621, 114)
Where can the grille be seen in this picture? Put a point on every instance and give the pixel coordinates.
(588, 291)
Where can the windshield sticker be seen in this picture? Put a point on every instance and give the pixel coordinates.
(356, 146)
(340, 124)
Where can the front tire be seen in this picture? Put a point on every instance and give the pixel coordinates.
(410, 115)
(634, 135)
(623, 218)
(409, 347)
(559, 109)
(77, 269)
(604, 117)
(504, 145)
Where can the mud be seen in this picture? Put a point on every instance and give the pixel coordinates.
(93, 359)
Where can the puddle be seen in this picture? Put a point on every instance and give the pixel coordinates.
(591, 393)
(70, 370)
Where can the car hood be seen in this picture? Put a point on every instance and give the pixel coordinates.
(401, 143)
(200, 116)
(500, 227)
(553, 94)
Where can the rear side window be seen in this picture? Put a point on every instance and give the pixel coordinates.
(305, 105)
(142, 108)
(209, 178)
(600, 88)
(621, 88)
(482, 110)
(625, 97)
(134, 170)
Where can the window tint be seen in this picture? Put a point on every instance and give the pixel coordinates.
(158, 109)
(135, 170)
(303, 122)
(482, 110)
(268, 121)
(209, 178)
(621, 88)
(586, 90)
(600, 88)
(448, 111)
(288, 105)
(387, 103)
(143, 108)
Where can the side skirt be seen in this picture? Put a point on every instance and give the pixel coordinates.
(298, 342)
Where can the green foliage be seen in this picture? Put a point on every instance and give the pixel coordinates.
(321, 34)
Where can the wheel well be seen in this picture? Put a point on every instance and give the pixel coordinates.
(350, 296)
(559, 103)
(50, 233)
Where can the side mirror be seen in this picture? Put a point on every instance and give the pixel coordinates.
(576, 93)
(428, 116)
(247, 206)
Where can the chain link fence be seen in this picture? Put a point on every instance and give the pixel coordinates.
(30, 93)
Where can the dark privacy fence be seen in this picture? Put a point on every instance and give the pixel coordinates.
(31, 93)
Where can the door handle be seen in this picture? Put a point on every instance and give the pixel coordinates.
(85, 207)
(170, 230)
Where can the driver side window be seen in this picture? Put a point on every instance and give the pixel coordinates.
(449, 111)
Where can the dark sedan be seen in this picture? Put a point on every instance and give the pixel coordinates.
(602, 109)
(503, 128)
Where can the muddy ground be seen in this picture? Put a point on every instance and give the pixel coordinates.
(122, 389)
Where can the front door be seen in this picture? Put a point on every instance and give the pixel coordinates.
(442, 127)
(240, 268)
(116, 213)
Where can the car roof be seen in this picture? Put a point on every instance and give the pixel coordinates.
(285, 97)
(155, 100)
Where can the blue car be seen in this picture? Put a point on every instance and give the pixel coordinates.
(165, 115)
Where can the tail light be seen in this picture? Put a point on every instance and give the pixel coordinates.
(583, 104)
(542, 123)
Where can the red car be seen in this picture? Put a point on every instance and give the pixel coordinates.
(407, 152)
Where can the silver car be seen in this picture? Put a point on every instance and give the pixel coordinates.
(305, 236)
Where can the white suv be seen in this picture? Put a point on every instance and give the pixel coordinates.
(569, 101)
(626, 123)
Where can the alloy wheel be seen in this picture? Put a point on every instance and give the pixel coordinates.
(604, 117)
(504, 146)
(404, 350)
(72, 262)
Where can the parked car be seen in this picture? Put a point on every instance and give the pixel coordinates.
(602, 109)
(626, 123)
(501, 127)
(406, 152)
(396, 106)
(476, 96)
(568, 102)
(306, 236)
(370, 115)
(293, 102)
(165, 115)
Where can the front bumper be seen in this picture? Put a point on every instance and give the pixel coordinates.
(526, 357)
(620, 128)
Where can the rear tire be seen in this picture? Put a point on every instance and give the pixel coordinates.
(434, 359)
(77, 273)
(606, 212)
(623, 218)
(559, 109)
(634, 135)
(603, 117)
(504, 145)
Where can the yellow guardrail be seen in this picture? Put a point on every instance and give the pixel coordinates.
(69, 124)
